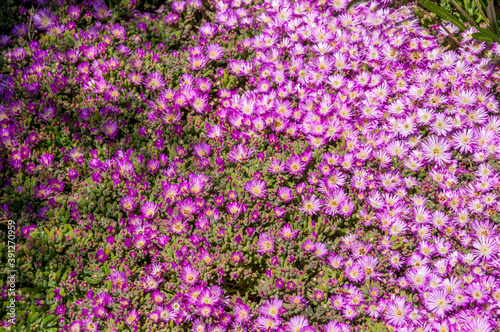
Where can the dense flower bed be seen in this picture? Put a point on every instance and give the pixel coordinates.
(249, 166)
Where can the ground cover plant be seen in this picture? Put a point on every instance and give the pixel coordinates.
(247, 166)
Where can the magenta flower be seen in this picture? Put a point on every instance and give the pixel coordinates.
(110, 128)
(132, 317)
(214, 52)
(128, 203)
(46, 159)
(189, 275)
(240, 153)
(310, 205)
(438, 302)
(297, 324)
(256, 188)
(155, 81)
(44, 19)
(149, 209)
(265, 244)
(436, 149)
(202, 150)
(236, 257)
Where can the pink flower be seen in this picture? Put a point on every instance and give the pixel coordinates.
(256, 188)
(310, 205)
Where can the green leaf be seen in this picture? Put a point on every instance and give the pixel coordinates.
(442, 13)
(48, 319)
(489, 34)
(354, 3)
(92, 281)
(479, 36)
(495, 62)
(490, 11)
(106, 268)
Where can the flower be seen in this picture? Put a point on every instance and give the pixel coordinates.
(256, 188)
(265, 244)
(44, 19)
(397, 311)
(214, 52)
(297, 324)
(310, 205)
(236, 257)
(46, 159)
(435, 149)
(110, 128)
(438, 302)
(155, 81)
(485, 247)
(132, 317)
(189, 275)
(149, 209)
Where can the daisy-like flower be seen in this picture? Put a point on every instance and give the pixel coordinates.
(44, 19)
(189, 275)
(297, 324)
(149, 209)
(74, 12)
(479, 324)
(117, 31)
(436, 149)
(166, 313)
(256, 188)
(485, 247)
(285, 193)
(110, 128)
(310, 205)
(396, 312)
(135, 78)
(202, 150)
(288, 233)
(128, 203)
(241, 313)
(265, 243)
(132, 317)
(295, 165)
(155, 81)
(198, 62)
(466, 97)
(438, 302)
(272, 308)
(463, 141)
(46, 159)
(240, 153)
(236, 257)
(214, 52)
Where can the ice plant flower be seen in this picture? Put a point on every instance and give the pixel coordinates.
(256, 188)
(310, 205)
(149, 209)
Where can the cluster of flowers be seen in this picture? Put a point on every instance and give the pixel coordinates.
(286, 166)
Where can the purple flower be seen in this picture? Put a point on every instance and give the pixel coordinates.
(149, 209)
(214, 52)
(236, 257)
(132, 317)
(310, 205)
(256, 188)
(240, 153)
(189, 275)
(74, 12)
(128, 203)
(44, 19)
(265, 244)
(110, 128)
(101, 256)
(155, 81)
